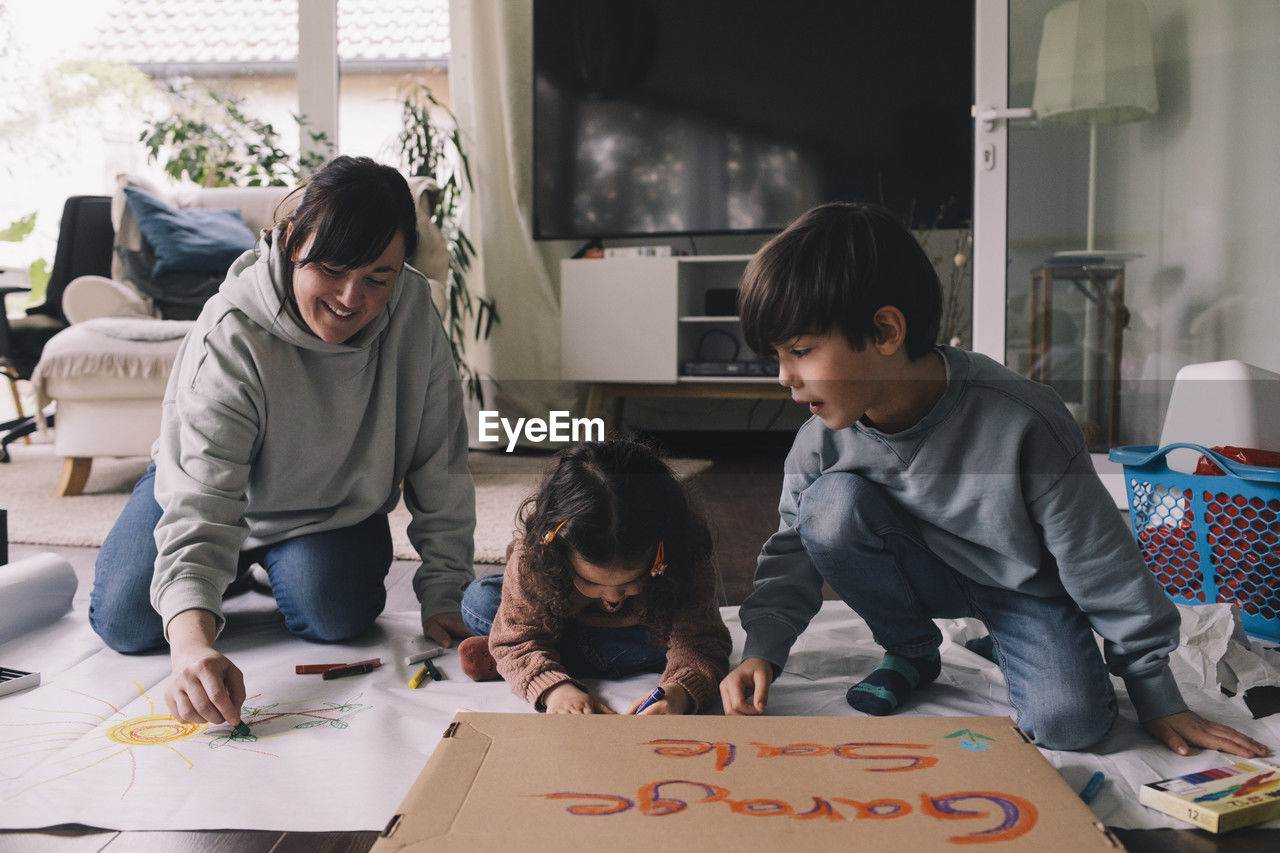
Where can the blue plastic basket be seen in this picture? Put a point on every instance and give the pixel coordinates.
(1206, 538)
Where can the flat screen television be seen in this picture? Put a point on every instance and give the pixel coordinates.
(682, 117)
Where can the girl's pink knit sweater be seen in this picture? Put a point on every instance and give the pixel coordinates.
(525, 651)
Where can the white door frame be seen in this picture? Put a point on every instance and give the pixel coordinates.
(990, 176)
(991, 198)
(318, 73)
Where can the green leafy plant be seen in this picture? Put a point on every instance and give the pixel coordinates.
(38, 271)
(431, 146)
(209, 139)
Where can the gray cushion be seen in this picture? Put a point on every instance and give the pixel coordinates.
(178, 295)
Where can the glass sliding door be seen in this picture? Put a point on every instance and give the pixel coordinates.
(1140, 228)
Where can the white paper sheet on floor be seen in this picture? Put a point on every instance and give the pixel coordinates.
(340, 754)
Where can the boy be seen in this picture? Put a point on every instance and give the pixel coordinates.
(934, 483)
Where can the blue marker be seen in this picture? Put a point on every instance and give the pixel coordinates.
(657, 695)
(1091, 787)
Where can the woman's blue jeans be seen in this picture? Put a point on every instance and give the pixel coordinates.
(587, 651)
(329, 586)
(871, 553)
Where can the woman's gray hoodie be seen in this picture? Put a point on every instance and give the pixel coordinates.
(268, 433)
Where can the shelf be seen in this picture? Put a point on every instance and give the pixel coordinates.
(639, 319)
(714, 259)
(750, 380)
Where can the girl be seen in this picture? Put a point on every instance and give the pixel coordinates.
(611, 576)
(315, 381)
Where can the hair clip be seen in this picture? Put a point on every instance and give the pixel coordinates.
(659, 563)
(546, 540)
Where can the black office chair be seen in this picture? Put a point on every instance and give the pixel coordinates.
(85, 239)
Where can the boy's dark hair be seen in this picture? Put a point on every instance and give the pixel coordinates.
(616, 500)
(834, 267)
(353, 206)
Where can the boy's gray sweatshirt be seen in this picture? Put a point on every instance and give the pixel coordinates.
(998, 478)
(269, 433)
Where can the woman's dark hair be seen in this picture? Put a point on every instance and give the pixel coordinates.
(353, 206)
(617, 500)
(835, 267)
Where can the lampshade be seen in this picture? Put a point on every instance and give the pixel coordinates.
(1095, 64)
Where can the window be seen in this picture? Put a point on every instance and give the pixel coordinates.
(79, 79)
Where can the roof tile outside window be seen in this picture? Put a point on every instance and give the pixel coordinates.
(195, 33)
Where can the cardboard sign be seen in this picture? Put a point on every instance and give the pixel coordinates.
(546, 782)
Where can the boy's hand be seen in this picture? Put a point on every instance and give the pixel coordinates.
(677, 701)
(751, 678)
(566, 698)
(1186, 729)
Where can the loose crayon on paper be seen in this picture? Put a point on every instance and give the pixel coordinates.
(321, 668)
(314, 668)
(351, 669)
(1091, 787)
(421, 656)
(657, 695)
(418, 677)
(431, 669)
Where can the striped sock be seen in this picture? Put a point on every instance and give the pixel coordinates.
(889, 684)
(984, 646)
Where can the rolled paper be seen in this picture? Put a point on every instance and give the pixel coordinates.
(34, 592)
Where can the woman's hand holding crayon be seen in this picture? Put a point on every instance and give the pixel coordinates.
(567, 698)
(204, 686)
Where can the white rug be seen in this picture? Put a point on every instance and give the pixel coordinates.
(38, 517)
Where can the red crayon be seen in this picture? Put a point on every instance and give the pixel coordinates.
(315, 668)
(352, 669)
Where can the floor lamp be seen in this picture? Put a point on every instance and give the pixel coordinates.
(1095, 66)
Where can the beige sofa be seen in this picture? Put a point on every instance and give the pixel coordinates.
(108, 370)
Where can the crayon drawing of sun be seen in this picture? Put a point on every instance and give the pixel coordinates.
(153, 730)
(111, 743)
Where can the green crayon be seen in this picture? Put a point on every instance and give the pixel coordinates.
(241, 729)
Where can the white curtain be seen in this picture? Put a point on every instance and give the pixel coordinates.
(491, 87)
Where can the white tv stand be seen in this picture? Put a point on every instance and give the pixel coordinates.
(628, 324)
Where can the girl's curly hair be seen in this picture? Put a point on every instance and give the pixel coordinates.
(617, 500)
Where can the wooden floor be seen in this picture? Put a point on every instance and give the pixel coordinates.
(739, 495)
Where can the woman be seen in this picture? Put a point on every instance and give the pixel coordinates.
(314, 383)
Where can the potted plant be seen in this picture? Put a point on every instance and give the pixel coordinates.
(209, 139)
(38, 270)
(431, 146)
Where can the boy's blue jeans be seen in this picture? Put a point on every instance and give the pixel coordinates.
(329, 586)
(871, 553)
(586, 651)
